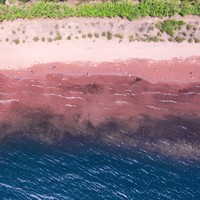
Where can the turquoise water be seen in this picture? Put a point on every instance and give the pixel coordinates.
(78, 169)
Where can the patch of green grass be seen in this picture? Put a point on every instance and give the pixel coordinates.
(170, 26)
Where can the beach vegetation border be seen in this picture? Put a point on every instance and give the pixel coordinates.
(124, 9)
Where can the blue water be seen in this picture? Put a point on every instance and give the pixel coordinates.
(84, 170)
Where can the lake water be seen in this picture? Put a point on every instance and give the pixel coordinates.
(78, 169)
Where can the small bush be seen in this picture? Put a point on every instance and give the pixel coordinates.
(153, 39)
(109, 35)
(89, 35)
(179, 39)
(36, 38)
(190, 40)
(141, 29)
(69, 37)
(169, 26)
(96, 35)
(49, 39)
(131, 38)
(43, 39)
(16, 41)
(197, 40)
(118, 35)
(103, 34)
(150, 28)
(58, 37)
(184, 34)
(83, 36)
(189, 26)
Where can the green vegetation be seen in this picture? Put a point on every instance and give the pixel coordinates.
(125, 9)
(58, 37)
(16, 41)
(69, 37)
(170, 26)
(189, 26)
(96, 35)
(89, 35)
(36, 38)
(118, 35)
(179, 39)
(109, 35)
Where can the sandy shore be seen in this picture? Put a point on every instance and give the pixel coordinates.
(26, 55)
(155, 61)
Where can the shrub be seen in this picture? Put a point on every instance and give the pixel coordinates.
(36, 38)
(131, 38)
(96, 35)
(153, 39)
(170, 39)
(16, 41)
(169, 26)
(89, 35)
(69, 37)
(103, 34)
(58, 37)
(197, 40)
(118, 35)
(124, 9)
(189, 26)
(190, 40)
(179, 39)
(43, 39)
(109, 35)
(49, 39)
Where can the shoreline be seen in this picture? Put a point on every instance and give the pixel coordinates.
(154, 61)
(178, 71)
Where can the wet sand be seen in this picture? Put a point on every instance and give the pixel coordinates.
(138, 103)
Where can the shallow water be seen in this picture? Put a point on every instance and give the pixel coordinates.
(80, 169)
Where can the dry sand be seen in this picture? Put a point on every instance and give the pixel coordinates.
(31, 53)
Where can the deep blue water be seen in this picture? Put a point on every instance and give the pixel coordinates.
(84, 170)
